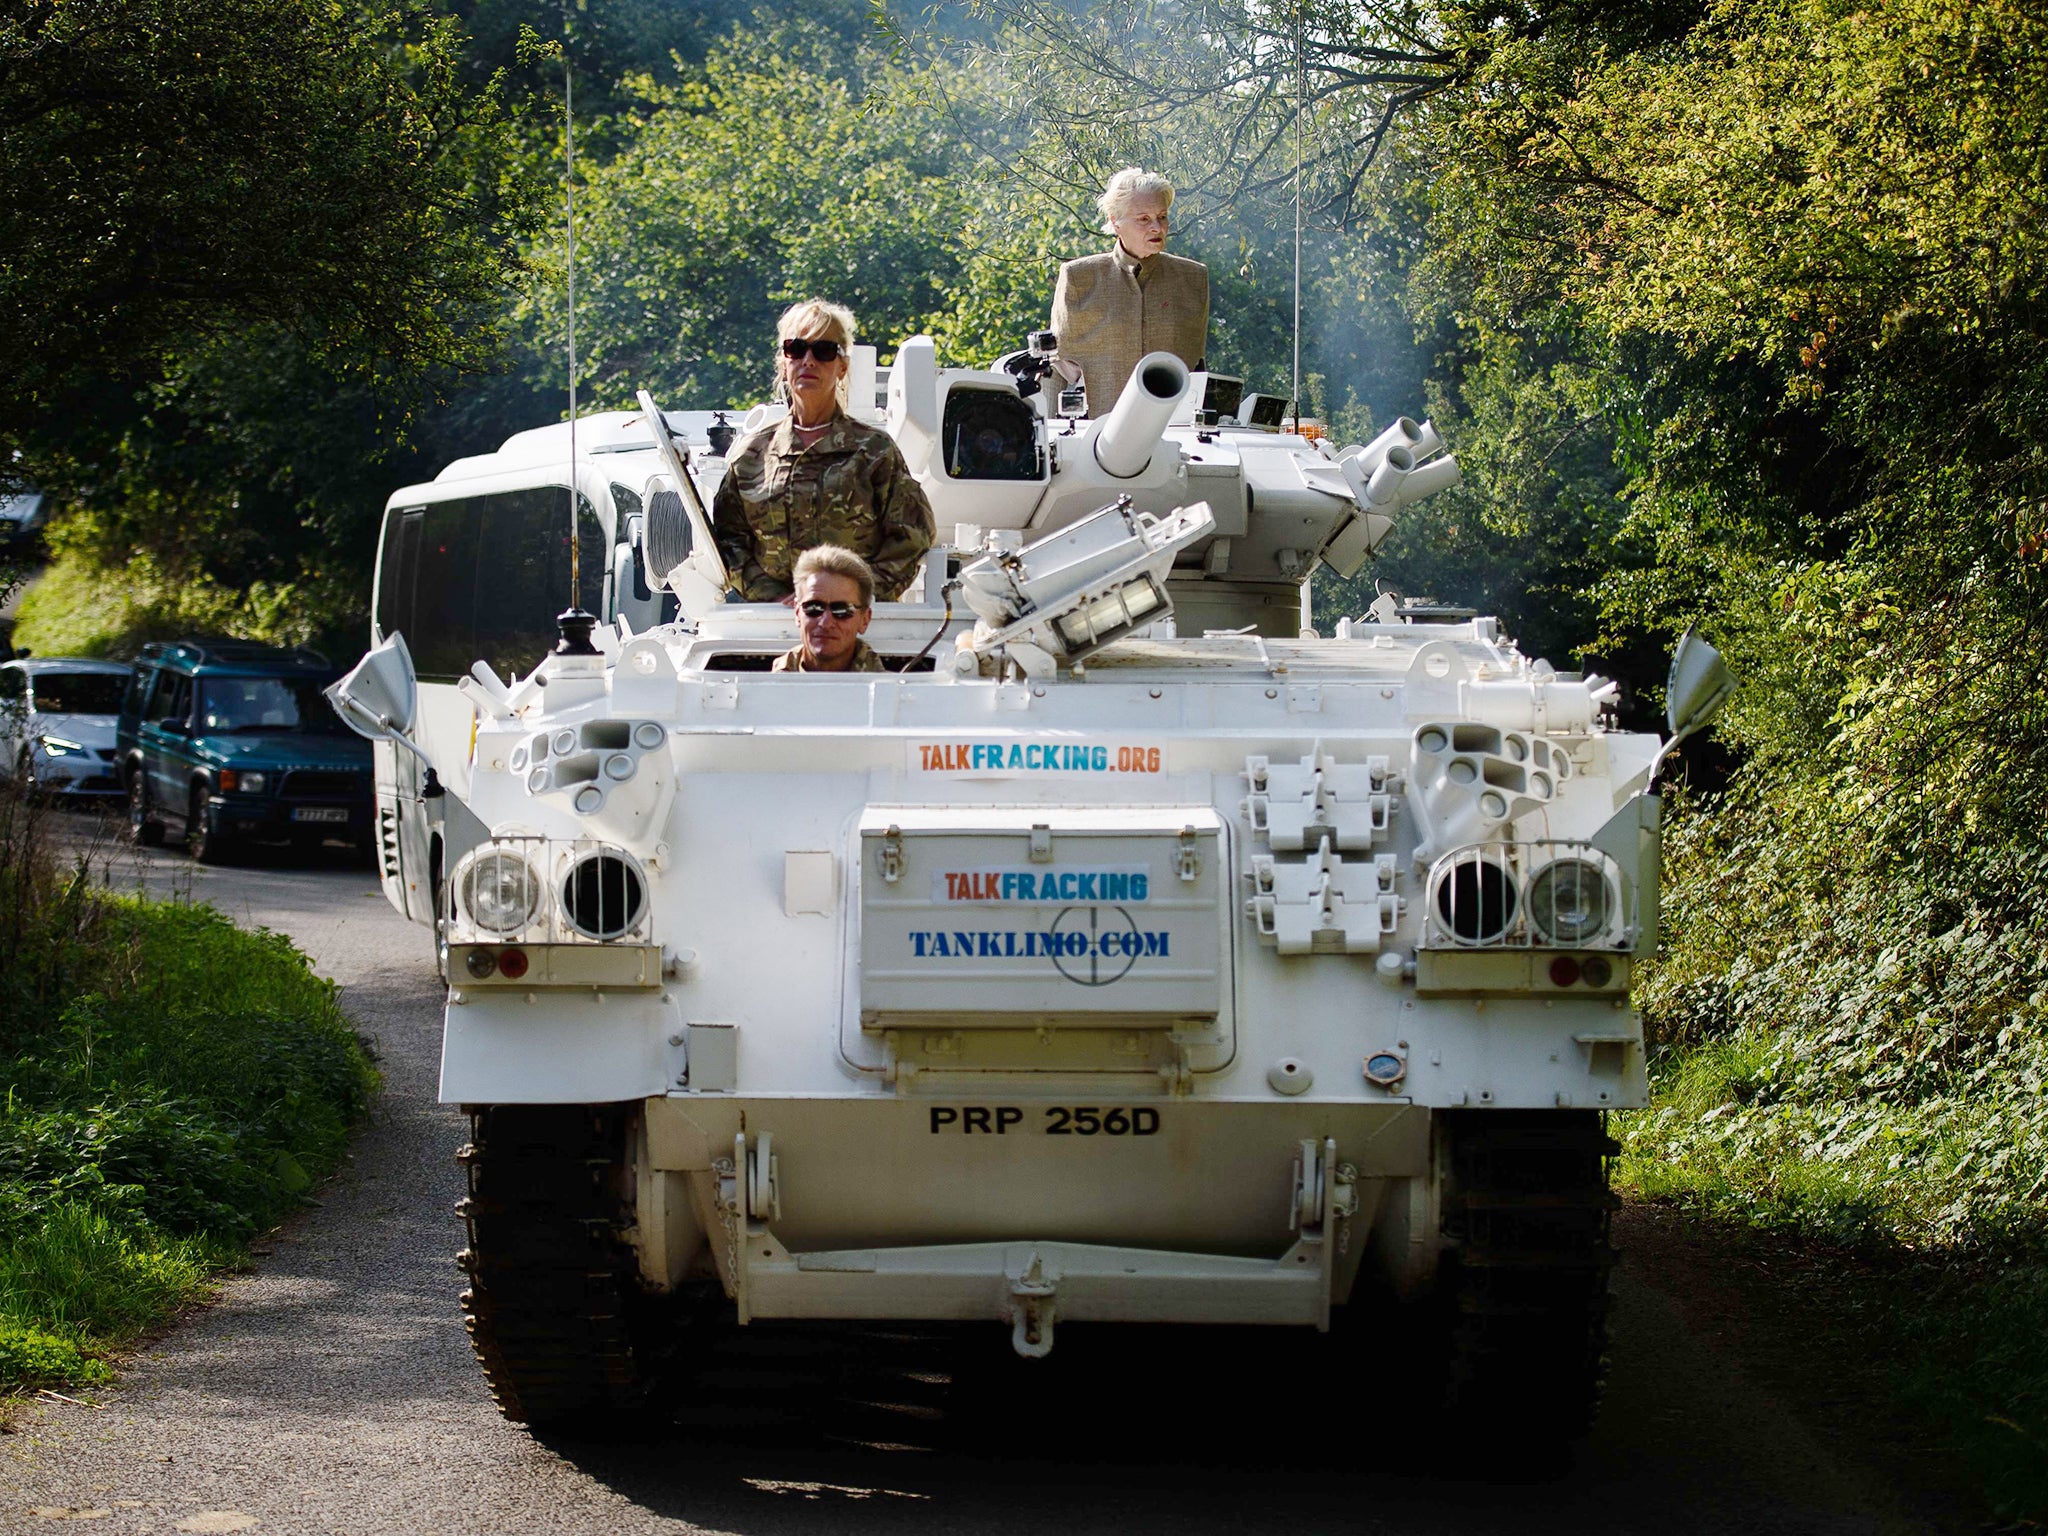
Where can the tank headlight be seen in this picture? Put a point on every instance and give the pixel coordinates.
(1475, 899)
(1571, 902)
(499, 891)
(603, 896)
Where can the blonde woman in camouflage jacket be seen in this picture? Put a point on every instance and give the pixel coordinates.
(1110, 310)
(817, 476)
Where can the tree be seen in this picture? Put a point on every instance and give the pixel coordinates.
(186, 172)
(793, 162)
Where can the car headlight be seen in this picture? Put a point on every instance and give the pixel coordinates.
(59, 746)
(1571, 902)
(253, 783)
(499, 890)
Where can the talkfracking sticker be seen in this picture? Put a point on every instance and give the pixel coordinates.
(1027, 757)
(992, 885)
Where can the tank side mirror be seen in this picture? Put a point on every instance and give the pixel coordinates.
(378, 697)
(1700, 684)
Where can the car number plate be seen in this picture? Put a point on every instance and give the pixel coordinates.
(320, 813)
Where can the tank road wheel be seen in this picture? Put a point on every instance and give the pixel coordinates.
(1523, 1281)
(555, 1309)
(144, 830)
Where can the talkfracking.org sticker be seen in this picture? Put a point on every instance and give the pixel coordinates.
(1022, 757)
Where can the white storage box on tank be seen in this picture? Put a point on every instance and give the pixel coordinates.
(1047, 916)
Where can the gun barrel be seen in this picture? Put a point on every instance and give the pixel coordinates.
(1130, 434)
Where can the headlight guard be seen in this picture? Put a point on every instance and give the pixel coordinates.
(1551, 894)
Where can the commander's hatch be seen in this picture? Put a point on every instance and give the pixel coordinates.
(681, 554)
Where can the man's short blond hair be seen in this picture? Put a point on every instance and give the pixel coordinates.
(1125, 188)
(836, 560)
(815, 316)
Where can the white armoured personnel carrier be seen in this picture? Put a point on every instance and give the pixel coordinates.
(1126, 954)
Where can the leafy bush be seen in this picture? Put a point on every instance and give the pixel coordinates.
(32, 1357)
(1854, 1056)
(84, 606)
(169, 1087)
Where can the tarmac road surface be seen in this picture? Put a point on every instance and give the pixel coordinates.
(332, 1389)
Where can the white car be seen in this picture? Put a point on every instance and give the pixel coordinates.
(22, 519)
(57, 717)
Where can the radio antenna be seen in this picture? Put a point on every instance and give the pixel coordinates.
(1300, 108)
(573, 627)
(569, 199)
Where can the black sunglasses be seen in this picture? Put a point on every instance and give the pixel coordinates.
(825, 349)
(840, 611)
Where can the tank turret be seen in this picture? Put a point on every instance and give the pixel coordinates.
(996, 458)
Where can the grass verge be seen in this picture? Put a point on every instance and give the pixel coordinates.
(170, 1086)
(1945, 1301)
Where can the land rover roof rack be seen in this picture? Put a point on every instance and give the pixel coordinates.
(224, 652)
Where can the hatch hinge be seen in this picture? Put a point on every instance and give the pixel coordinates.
(1324, 905)
(1297, 805)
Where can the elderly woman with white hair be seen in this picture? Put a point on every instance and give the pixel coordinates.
(1110, 310)
(817, 476)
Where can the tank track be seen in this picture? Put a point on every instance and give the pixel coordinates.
(554, 1308)
(1524, 1278)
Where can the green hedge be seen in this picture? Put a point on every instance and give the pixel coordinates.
(1853, 1060)
(170, 1086)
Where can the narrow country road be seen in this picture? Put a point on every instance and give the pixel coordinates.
(332, 1389)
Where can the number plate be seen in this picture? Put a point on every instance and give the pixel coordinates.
(1048, 1120)
(320, 813)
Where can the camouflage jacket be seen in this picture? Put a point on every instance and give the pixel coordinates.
(850, 487)
(864, 659)
(1110, 310)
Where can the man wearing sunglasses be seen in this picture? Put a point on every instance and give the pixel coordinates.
(835, 594)
(817, 476)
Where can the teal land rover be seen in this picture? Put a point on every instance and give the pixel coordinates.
(231, 743)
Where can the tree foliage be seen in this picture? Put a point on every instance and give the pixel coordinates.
(244, 246)
(1797, 254)
(180, 173)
